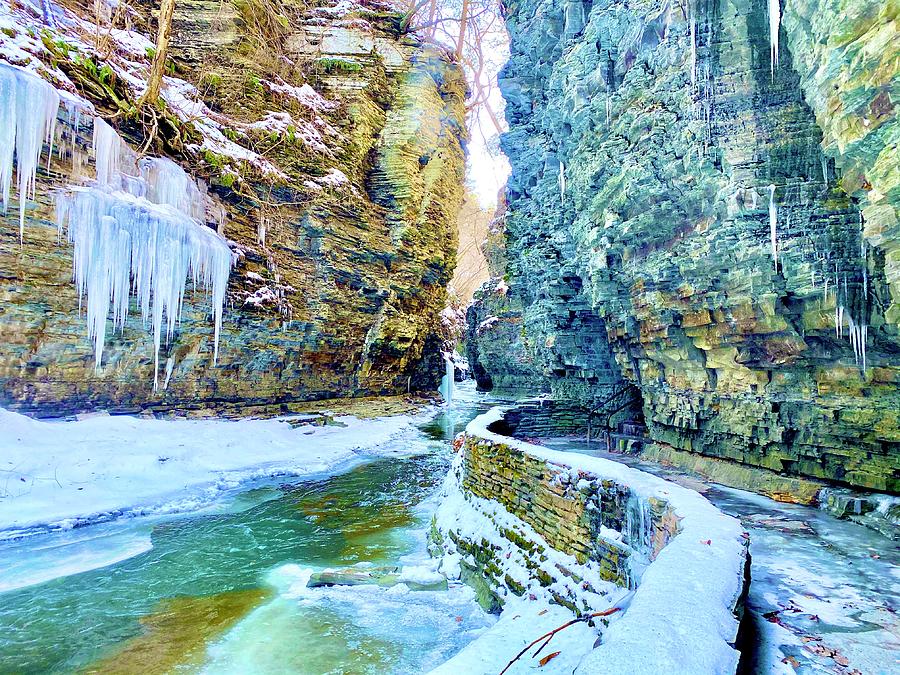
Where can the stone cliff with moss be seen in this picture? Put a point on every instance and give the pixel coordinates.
(332, 148)
(704, 204)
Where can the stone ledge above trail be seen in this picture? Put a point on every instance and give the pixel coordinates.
(523, 523)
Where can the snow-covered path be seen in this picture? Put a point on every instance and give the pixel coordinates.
(824, 592)
(60, 474)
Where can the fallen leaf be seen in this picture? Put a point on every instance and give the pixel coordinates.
(708, 542)
(841, 660)
(547, 659)
(542, 612)
(459, 619)
(792, 661)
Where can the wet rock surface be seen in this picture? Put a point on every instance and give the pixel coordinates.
(678, 204)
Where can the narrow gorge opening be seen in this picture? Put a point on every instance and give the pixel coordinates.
(451, 336)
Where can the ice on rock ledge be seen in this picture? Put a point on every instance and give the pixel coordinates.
(28, 108)
(138, 232)
(127, 245)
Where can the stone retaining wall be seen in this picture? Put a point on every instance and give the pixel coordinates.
(579, 515)
(578, 531)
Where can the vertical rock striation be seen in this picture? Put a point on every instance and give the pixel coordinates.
(718, 228)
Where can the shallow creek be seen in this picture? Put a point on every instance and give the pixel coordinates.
(224, 590)
(824, 594)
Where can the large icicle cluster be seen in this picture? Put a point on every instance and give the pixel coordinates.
(28, 108)
(136, 232)
(127, 245)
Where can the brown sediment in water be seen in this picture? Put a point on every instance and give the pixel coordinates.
(177, 632)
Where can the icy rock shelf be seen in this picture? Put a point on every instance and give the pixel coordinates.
(137, 231)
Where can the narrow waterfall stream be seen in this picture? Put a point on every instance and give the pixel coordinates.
(224, 590)
(824, 592)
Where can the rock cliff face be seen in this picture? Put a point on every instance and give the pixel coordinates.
(704, 203)
(332, 148)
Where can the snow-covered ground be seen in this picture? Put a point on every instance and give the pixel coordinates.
(57, 475)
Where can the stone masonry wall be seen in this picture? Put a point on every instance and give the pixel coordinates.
(586, 517)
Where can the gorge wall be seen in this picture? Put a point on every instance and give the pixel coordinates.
(332, 148)
(703, 203)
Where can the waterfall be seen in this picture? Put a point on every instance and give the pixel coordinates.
(639, 524)
(638, 531)
(446, 388)
(28, 108)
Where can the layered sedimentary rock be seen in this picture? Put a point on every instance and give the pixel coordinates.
(500, 358)
(703, 203)
(331, 146)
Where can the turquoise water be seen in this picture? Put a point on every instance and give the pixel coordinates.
(224, 591)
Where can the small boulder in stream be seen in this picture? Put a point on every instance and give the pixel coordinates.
(385, 576)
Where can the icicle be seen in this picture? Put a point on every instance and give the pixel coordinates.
(693, 19)
(167, 183)
(865, 337)
(562, 182)
(28, 108)
(774, 28)
(824, 170)
(124, 245)
(261, 231)
(608, 109)
(107, 154)
(773, 226)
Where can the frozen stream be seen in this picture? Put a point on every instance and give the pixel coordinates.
(224, 590)
(824, 594)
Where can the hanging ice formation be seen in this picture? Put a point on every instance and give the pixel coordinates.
(773, 226)
(693, 21)
(28, 108)
(774, 27)
(137, 232)
(562, 183)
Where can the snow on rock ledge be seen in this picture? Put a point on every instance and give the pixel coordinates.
(531, 527)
